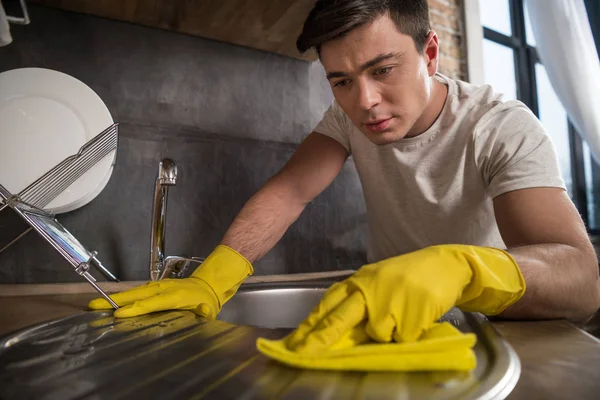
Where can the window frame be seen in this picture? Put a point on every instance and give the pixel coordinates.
(525, 59)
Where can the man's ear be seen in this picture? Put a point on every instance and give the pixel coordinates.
(431, 51)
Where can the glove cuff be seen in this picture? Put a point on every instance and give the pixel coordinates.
(497, 281)
(224, 270)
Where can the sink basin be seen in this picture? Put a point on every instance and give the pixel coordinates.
(176, 354)
(283, 307)
(274, 306)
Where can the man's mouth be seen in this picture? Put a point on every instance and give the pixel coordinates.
(378, 125)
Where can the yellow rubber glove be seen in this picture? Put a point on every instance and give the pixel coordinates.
(403, 296)
(441, 348)
(214, 282)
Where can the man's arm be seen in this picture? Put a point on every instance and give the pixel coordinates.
(256, 229)
(268, 214)
(546, 236)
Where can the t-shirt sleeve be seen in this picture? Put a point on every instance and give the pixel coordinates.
(336, 125)
(513, 151)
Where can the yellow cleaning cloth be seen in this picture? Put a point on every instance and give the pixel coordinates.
(441, 347)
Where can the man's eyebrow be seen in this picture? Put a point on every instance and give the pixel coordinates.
(368, 64)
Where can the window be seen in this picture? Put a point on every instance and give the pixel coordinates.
(511, 65)
(495, 15)
(498, 68)
(555, 120)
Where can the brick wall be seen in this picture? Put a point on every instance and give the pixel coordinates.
(446, 20)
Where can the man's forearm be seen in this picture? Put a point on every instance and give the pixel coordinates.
(263, 220)
(562, 282)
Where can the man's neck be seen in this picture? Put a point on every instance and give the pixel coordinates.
(439, 92)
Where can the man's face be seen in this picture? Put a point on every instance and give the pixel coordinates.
(380, 80)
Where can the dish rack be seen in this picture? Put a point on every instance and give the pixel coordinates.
(29, 203)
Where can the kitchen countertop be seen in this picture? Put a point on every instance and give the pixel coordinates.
(558, 359)
(22, 305)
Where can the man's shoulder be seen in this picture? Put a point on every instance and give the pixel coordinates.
(471, 96)
(480, 105)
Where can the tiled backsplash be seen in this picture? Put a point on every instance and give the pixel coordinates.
(229, 116)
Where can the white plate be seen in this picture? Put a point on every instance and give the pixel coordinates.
(45, 117)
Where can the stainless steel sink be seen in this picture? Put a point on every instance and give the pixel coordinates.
(278, 306)
(177, 355)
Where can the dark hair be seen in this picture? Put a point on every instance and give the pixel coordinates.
(330, 19)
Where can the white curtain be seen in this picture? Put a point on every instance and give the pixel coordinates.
(566, 48)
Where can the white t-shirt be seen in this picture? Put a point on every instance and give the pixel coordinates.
(438, 187)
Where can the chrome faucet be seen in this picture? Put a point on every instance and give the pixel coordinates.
(162, 266)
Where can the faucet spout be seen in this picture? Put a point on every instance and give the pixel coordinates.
(167, 176)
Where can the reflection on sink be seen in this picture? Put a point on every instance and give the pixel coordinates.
(270, 306)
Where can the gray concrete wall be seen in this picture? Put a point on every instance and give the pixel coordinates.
(229, 116)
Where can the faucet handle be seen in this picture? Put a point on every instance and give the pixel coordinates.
(175, 267)
(167, 172)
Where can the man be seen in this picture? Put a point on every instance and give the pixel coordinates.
(465, 201)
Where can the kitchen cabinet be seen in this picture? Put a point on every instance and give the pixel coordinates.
(268, 25)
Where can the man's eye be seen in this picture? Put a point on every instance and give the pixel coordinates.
(341, 83)
(383, 71)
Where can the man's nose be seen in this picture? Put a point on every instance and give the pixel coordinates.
(368, 95)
